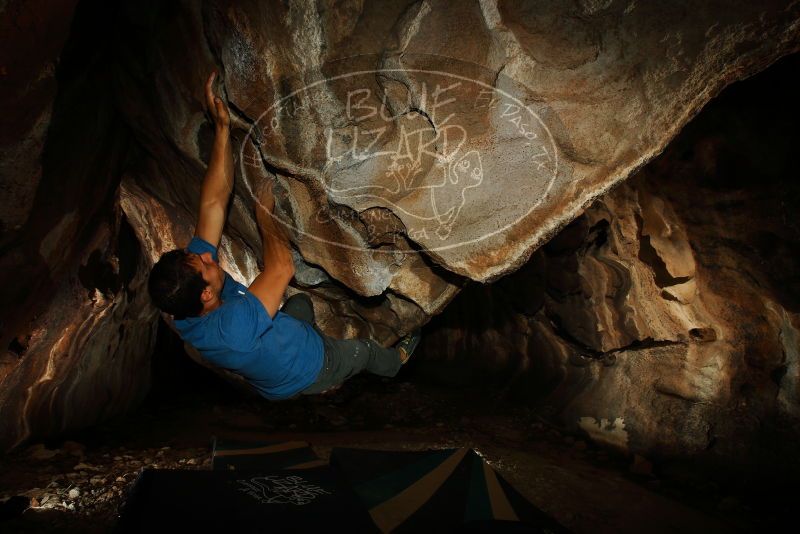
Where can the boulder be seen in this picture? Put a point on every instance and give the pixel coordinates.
(415, 146)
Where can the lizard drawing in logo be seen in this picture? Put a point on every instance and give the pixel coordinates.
(450, 174)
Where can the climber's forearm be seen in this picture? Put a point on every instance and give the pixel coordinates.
(270, 285)
(218, 182)
(277, 254)
(216, 189)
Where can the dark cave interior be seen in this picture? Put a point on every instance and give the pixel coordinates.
(703, 241)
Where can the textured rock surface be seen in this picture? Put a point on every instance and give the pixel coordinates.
(665, 320)
(469, 162)
(360, 159)
(76, 326)
(33, 37)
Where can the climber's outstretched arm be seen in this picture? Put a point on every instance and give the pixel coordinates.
(218, 182)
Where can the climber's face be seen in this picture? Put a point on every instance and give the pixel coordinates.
(212, 273)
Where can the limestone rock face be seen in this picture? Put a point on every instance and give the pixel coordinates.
(411, 152)
(33, 37)
(415, 146)
(591, 334)
(76, 325)
(664, 320)
(89, 356)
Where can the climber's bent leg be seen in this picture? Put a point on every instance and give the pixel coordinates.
(345, 358)
(299, 306)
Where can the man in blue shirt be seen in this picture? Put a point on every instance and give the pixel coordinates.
(281, 352)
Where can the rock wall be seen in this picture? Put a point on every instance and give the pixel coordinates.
(386, 219)
(416, 146)
(664, 320)
(76, 325)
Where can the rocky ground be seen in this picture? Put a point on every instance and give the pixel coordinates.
(77, 484)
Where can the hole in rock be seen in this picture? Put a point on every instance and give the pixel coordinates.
(19, 345)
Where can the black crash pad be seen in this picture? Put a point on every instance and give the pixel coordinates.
(242, 501)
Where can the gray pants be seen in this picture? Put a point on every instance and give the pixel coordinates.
(343, 357)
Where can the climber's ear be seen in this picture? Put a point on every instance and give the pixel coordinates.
(207, 294)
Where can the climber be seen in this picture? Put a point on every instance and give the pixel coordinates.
(279, 350)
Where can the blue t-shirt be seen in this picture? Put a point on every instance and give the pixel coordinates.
(279, 356)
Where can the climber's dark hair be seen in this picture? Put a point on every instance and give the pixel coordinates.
(175, 285)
